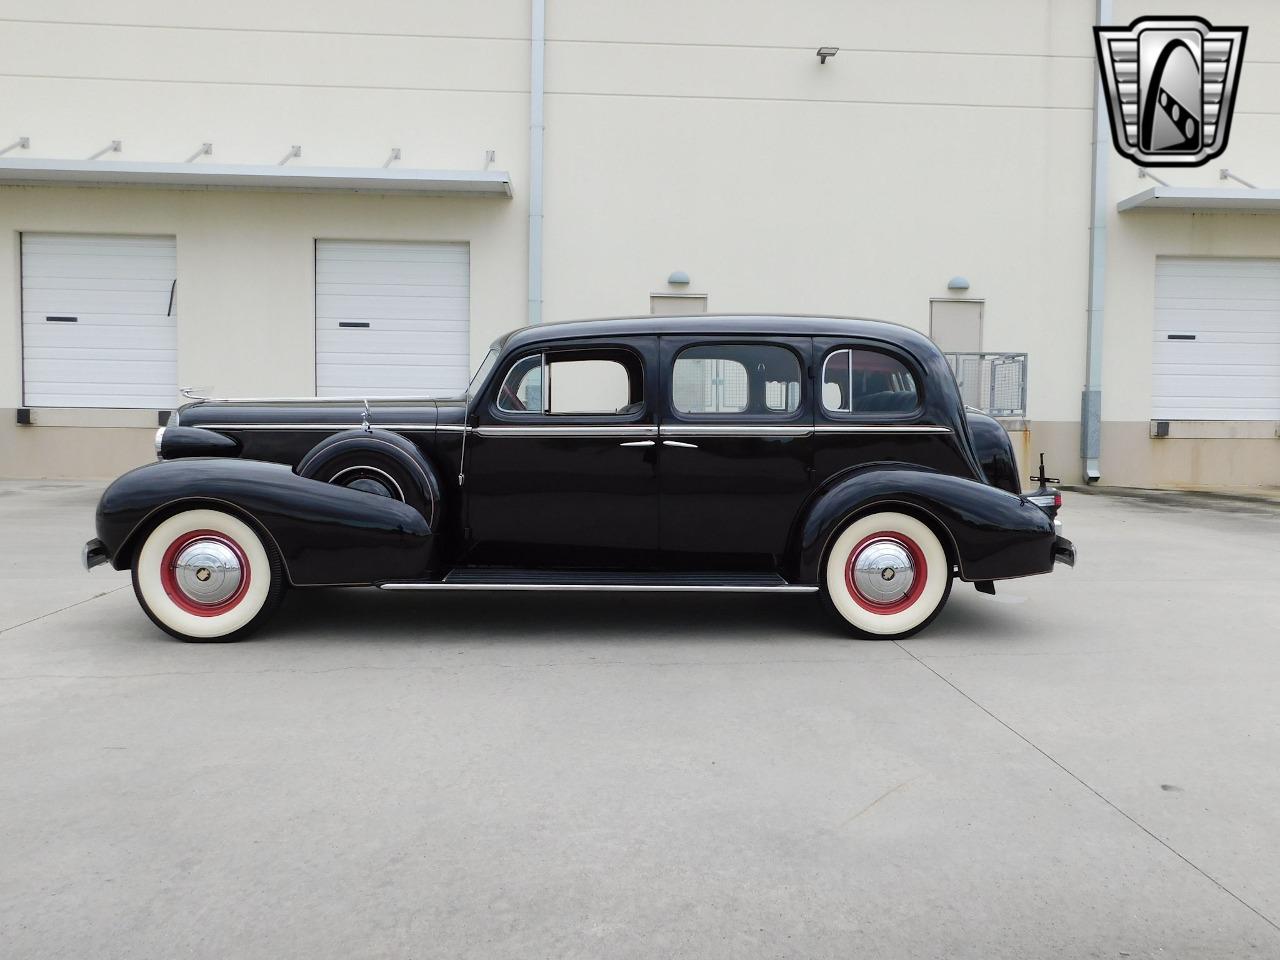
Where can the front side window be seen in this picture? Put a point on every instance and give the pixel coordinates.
(595, 382)
(742, 378)
(866, 381)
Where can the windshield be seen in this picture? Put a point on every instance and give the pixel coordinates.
(482, 371)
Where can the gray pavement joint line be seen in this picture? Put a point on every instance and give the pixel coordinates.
(61, 609)
(1094, 790)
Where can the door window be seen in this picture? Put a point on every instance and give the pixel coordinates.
(867, 381)
(741, 378)
(593, 383)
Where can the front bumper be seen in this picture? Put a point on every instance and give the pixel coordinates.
(94, 554)
(1064, 551)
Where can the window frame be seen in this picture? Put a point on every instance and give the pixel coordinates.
(871, 416)
(747, 416)
(500, 413)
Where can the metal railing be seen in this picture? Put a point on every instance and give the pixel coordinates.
(995, 383)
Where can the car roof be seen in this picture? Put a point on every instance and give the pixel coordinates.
(720, 324)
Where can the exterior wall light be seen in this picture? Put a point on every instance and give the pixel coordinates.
(825, 52)
(958, 283)
(678, 278)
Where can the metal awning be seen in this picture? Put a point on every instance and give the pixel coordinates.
(228, 176)
(1203, 199)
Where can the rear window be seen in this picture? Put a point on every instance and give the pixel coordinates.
(858, 381)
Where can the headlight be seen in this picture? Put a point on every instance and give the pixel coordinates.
(160, 442)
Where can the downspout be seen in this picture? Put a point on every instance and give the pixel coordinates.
(1091, 398)
(537, 72)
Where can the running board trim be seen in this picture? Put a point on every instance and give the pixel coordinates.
(603, 587)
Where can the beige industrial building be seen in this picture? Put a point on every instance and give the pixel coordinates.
(251, 198)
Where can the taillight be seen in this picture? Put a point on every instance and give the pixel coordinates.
(1057, 500)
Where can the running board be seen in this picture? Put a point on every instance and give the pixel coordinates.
(508, 579)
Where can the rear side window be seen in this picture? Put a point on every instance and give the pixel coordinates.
(730, 378)
(866, 381)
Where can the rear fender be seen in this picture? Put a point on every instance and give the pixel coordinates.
(995, 451)
(990, 533)
(327, 535)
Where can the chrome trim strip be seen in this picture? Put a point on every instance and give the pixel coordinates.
(336, 427)
(883, 428)
(416, 398)
(601, 587)
(552, 430)
(735, 430)
(278, 426)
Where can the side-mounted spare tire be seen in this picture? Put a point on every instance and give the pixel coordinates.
(377, 462)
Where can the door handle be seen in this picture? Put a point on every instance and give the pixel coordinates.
(679, 443)
(637, 443)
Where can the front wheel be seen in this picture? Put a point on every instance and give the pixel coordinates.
(886, 576)
(205, 575)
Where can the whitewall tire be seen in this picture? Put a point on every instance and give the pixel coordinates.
(886, 576)
(205, 575)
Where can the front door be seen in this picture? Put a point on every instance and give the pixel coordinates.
(561, 468)
(736, 436)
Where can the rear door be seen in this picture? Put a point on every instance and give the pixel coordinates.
(736, 437)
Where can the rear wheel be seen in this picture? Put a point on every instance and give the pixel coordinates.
(886, 576)
(205, 575)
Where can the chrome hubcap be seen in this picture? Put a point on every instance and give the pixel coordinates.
(369, 480)
(369, 485)
(883, 571)
(207, 571)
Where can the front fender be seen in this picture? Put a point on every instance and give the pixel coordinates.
(327, 535)
(993, 534)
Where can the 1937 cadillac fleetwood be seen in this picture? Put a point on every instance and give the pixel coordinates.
(727, 453)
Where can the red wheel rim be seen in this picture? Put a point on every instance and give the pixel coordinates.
(921, 571)
(169, 576)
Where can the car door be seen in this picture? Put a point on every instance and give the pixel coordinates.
(561, 466)
(736, 433)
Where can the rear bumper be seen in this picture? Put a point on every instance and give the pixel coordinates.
(94, 554)
(1064, 551)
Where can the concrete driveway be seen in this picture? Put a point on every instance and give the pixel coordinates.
(1086, 765)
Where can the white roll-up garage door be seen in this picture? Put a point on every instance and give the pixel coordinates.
(391, 318)
(98, 324)
(1217, 340)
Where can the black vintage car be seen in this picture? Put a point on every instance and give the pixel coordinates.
(728, 453)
